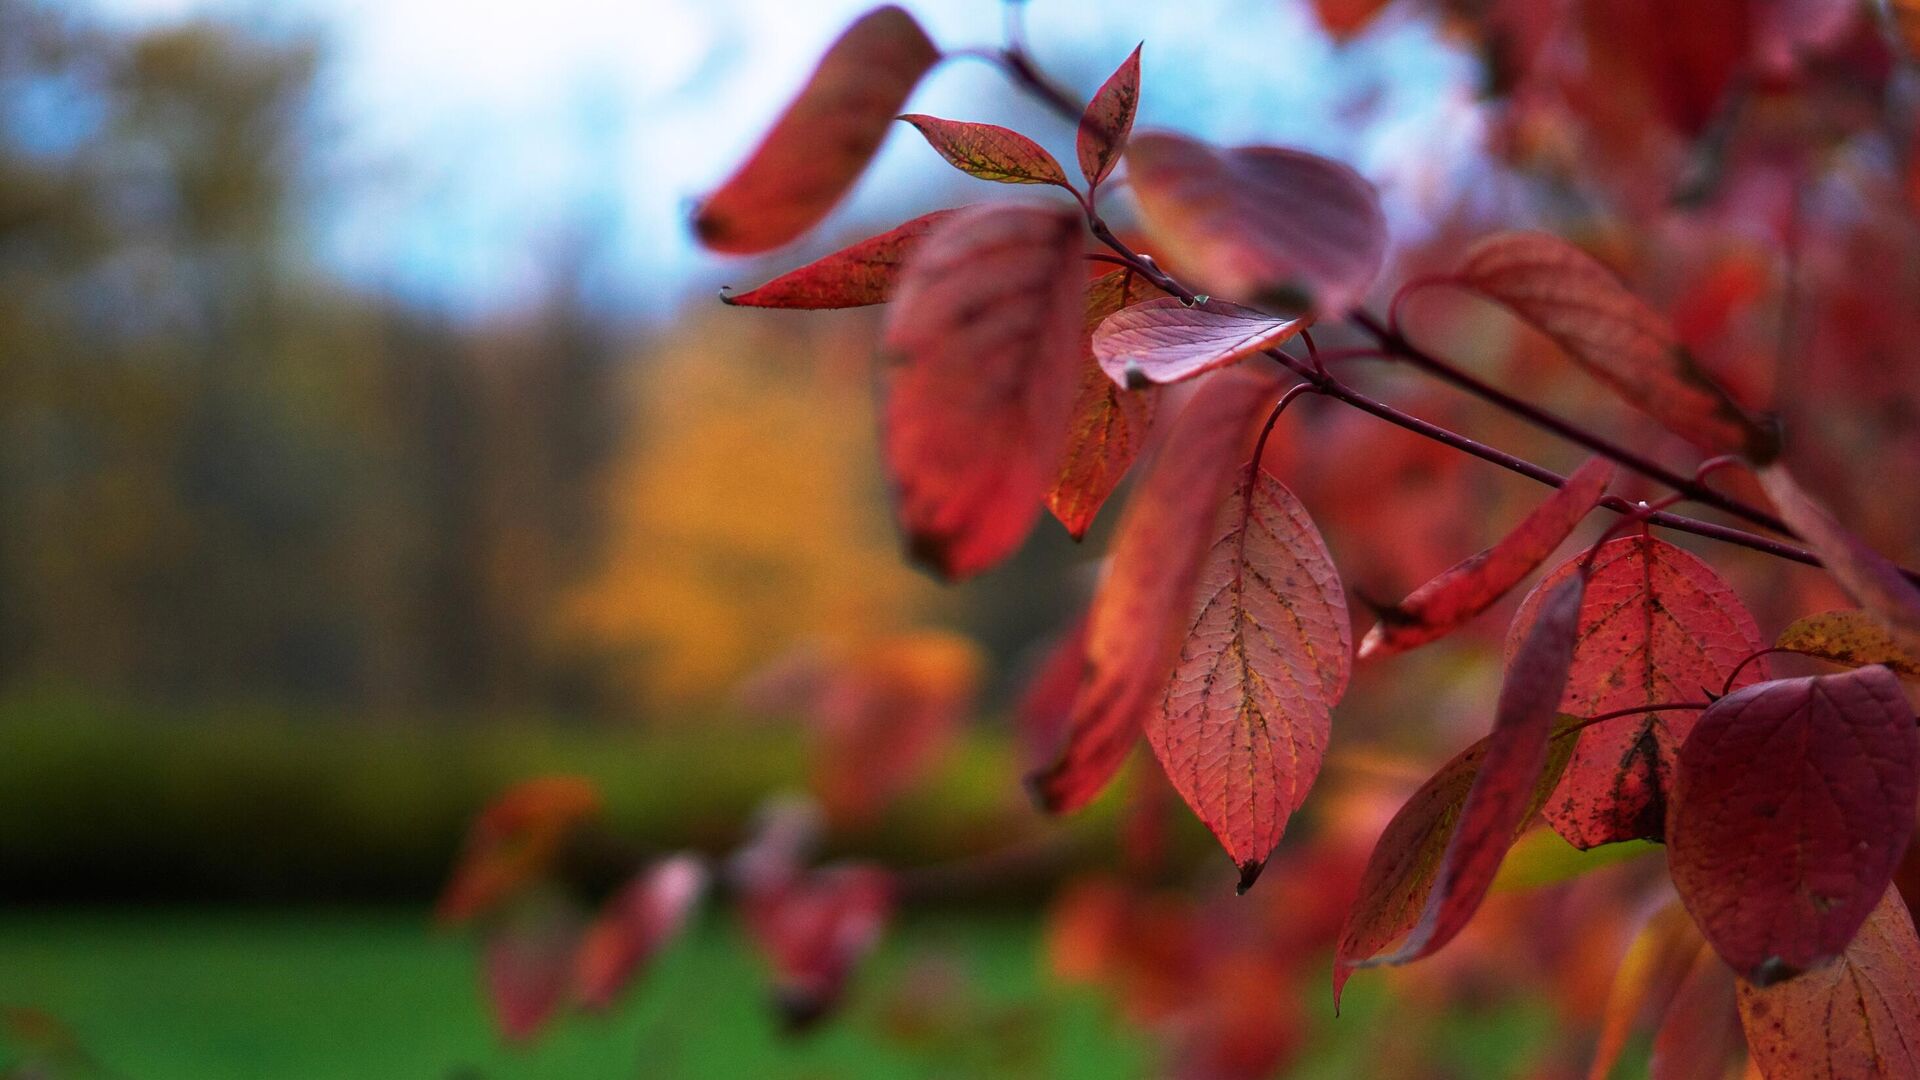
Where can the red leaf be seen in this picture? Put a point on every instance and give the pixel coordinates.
(1700, 1035)
(1658, 626)
(526, 966)
(1578, 303)
(822, 143)
(1108, 425)
(814, 930)
(514, 843)
(1853, 638)
(1468, 588)
(1872, 581)
(1167, 340)
(1243, 725)
(983, 340)
(1046, 704)
(1859, 1017)
(1648, 979)
(1261, 223)
(1137, 621)
(1345, 18)
(851, 277)
(989, 151)
(1108, 121)
(886, 716)
(1793, 801)
(636, 923)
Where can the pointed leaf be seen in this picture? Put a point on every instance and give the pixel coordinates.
(1108, 425)
(1468, 588)
(1793, 801)
(982, 343)
(640, 919)
(1139, 617)
(1046, 703)
(822, 143)
(1699, 1038)
(989, 151)
(1243, 725)
(814, 931)
(1108, 121)
(1658, 627)
(1866, 575)
(1167, 340)
(854, 276)
(1649, 978)
(1261, 223)
(1853, 638)
(1570, 297)
(527, 965)
(1855, 1019)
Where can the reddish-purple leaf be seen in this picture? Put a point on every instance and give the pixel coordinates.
(983, 342)
(1856, 1018)
(814, 930)
(1139, 618)
(527, 966)
(1468, 588)
(1792, 803)
(1567, 295)
(1108, 425)
(822, 143)
(851, 277)
(1243, 725)
(1046, 704)
(1853, 638)
(1658, 627)
(1108, 120)
(1261, 223)
(1873, 582)
(646, 914)
(989, 151)
(1167, 340)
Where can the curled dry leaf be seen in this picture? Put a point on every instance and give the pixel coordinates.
(1139, 617)
(855, 276)
(1470, 587)
(822, 143)
(1243, 725)
(1261, 223)
(1167, 340)
(1793, 802)
(1853, 638)
(1108, 425)
(1571, 298)
(982, 345)
(636, 922)
(989, 151)
(1658, 627)
(1108, 121)
(1856, 1018)
(1873, 582)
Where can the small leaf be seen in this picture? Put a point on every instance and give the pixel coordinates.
(1648, 979)
(527, 965)
(647, 913)
(1139, 617)
(813, 931)
(1470, 587)
(854, 276)
(1866, 575)
(1108, 121)
(1854, 1019)
(1568, 296)
(1853, 638)
(1793, 801)
(990, 152)
(1167, 340)
(1261, 223)
(824, 140)
(514, 844)
(1108, 425)
(1244, 723)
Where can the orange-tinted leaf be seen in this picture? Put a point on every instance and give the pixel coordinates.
(1792, 803)
(1853, 638)
(1261, 223)
(1658, 627)
(527, 966)
(989, 151)
(1243, 725)
(814, 931)
(1857, 1018)
(1903, 25)
(1866, 575)
(1700, 1036)
(1649, 977)
(1108, 424)
(1108, 121)
(887, 716)
(983, 342)
(514, 843)
(646, 914)
(1139, 617)
(1468, 588)
(1345, 18)
(1167, 340)
(821, 144)
(1567, 295)
(854, 276)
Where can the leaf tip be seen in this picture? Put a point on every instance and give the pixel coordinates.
(1249, 873)
(1770, 971)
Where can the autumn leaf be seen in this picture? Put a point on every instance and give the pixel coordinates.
(1851, 1020)
(1470, 587)
(982, 344)
(1853, 638)
(989, 151)
(1658, 627)
(1261, 223)
(1346, 18)
(636, 922)
(1903, 25)
(813, 930)
(527, 965)
(1700, 1035)
(1168, 340)
(1108, 425)
(1610, 333)
(515, 843)
(1243, 725)
(1650, 975)
(1139, 617)
(1792, 803)
(854, 276)
(1108, 121)
(824, 140)
(1873, 582)
(1046, 702)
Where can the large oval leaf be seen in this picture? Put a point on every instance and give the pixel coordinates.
(1792, 803)
(1261, 223)
(855, 276)
(1167, 340)
(1108, 121)
(982, 343)
(1109, 424)
(821, 144)
(1243, 726)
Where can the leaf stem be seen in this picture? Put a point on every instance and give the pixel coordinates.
(1589, 721)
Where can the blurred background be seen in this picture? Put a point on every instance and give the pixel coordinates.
(371, 440)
